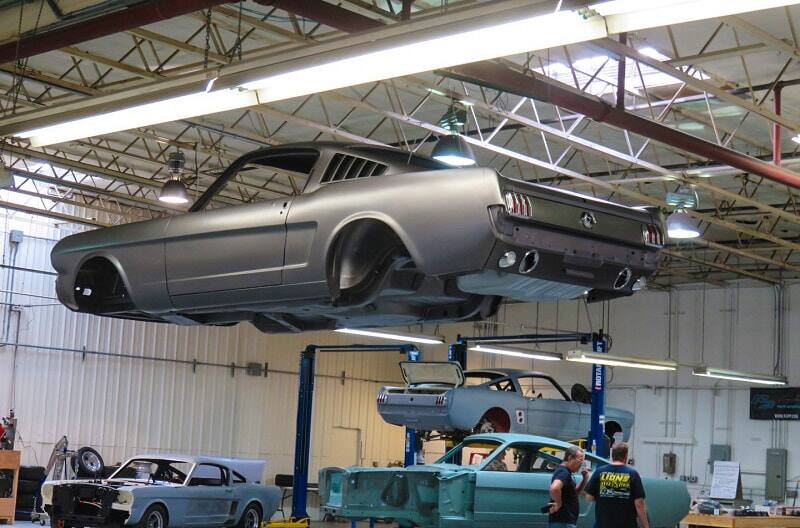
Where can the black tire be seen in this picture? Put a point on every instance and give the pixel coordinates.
(251, 516)
(87, 463)
(154, 517)
(31, 473)
(28, 487)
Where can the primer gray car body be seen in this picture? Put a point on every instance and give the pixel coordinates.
(376, 237)
(212, 491)
(439, 397)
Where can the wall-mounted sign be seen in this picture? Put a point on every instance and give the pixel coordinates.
(775, 404)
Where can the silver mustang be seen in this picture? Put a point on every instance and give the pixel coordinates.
(156, 491)
(439, 397)
(373, 237)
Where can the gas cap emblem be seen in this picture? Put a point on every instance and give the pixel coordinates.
(588, 220)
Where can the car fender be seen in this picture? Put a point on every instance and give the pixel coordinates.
(469, 404)
(441, 216)
(140, 505)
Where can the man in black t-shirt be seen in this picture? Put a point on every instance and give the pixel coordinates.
(618, 491)
(564, 507)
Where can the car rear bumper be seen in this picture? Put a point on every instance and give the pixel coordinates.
(423, 418)
(564, 257)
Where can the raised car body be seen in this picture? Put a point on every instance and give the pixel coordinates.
(375, 237)
(438, 396)
(190, 491)
(489, 480)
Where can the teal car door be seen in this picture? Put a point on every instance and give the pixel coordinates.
(509, 491)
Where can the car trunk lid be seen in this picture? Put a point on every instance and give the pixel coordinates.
(416, 373)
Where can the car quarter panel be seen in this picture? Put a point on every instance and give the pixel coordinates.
(441, 217)
(136, 250)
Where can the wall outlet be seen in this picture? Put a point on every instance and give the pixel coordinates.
(692, 479)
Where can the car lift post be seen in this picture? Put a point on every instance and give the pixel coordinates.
(302, 446)
(412, 449)
(597, 441)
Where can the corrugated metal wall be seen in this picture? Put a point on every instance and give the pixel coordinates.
(128, 405)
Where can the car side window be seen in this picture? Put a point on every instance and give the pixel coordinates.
(517, 458)
(505, 385)
(237, 478)
(209, 475)
(537, 386)
(547, 458)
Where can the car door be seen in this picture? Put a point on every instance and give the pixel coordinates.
(209, 496)
(549, 411)
(508, 492)
(225, 245)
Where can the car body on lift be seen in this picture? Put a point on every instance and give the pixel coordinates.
(156, 491)
(439, 396)
(489, 480)
(364, 236)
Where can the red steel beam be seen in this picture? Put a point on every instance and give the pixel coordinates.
(328, 14)
(104, 25)
(503, 78)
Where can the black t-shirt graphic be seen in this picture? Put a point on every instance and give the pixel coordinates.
(615, 488)
(569, 497)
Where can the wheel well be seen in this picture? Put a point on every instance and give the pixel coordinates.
(499, 417)
(163, 506)
(97, 280)
(357, 250)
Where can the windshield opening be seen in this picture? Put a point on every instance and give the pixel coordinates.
(154, 471)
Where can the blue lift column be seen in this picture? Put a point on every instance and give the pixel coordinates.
(410, 458)
(305, 398)
(597, 441)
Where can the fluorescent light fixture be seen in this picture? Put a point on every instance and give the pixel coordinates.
(628, 15)
(681, 226)
(421, 51)
(427, 54)
(394, 335)
(734, 375)
(173, 109)
(599, 358)
(518, 352)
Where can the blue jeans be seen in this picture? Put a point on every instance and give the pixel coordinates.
(562, 525)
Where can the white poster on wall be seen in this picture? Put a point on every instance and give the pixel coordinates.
(726, 482)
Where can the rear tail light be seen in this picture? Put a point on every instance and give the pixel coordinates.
(382, 398)
(652, 235)
(519, 204)
(441, 400)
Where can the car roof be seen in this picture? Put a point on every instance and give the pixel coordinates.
(343, 146)
(508, 372)
(506, 438)
(195, 459)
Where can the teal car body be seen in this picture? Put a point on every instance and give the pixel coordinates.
(489, 480)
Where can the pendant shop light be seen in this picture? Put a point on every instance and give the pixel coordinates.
(735, 375)
(393, 335)
(599, 358)
(518, 352)
(174, 190)
(454, 151)
(511, 33)
(681, 225)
